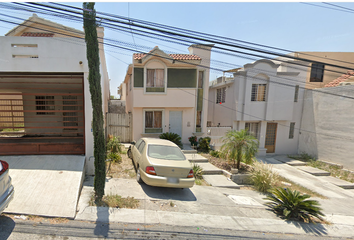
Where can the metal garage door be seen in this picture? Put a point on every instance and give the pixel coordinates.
(41, 113)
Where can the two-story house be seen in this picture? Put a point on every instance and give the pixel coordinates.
(265, 97)
(168, 92)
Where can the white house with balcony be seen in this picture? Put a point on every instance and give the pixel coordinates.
(168, 92)
(265, 97)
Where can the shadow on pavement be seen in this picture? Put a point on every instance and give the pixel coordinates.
(168, 193)
(102, 222)
(317, 229)
(7, 225)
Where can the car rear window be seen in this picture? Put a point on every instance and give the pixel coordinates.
(165, 152)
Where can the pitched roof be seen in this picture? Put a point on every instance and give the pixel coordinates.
(342, 78)
(37, 34)
(138, 56)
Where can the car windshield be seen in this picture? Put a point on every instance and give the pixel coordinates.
(165, 152)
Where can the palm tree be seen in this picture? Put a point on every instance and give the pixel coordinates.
(238, 145)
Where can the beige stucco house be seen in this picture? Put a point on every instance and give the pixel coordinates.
(168, 92)
(323, 66)
(265, 97)
(44, 91)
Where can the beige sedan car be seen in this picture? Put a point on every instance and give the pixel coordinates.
(161, 163)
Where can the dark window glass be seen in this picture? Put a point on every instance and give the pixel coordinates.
(317, 70)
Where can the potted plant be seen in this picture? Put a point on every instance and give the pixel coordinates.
(193, 141)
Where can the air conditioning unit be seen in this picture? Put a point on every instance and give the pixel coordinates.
(346, 83)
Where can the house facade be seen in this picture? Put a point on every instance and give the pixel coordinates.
(323, 66)
(44, 91)
(265, 97)
(168, 92)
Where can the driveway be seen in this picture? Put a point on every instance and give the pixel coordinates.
(45, 185)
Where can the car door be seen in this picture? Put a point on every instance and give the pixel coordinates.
(135, 151)
(139, 153)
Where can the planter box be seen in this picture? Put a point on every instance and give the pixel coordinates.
(241, 178)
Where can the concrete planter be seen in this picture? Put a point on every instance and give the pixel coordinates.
(241, 178)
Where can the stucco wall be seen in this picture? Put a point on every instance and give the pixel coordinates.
(327, 128)
(55, 55)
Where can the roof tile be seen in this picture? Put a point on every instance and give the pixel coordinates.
(340, 79)
(37, 34)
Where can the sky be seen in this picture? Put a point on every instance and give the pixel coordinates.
(289, 25)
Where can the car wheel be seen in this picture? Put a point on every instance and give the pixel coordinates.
(138, 176)
(129, 153)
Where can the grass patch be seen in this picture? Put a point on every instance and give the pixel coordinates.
(303, 157)
(335, 171)
(115, 201)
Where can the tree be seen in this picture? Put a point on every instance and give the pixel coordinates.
(238, 145)
(92, 53)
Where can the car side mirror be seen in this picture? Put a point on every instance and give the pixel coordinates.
(133, 142)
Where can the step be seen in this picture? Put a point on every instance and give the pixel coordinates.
(193, 157)
(289, 161)
(313, 171)
(339, 182)
(189, 151)
(220, 181)
(210, 169)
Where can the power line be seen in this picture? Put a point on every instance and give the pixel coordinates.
(210, 100)
(128, 49)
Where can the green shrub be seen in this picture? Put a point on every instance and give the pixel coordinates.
(114, 145)
(262, 176)
(215, 153)
(303, 156)
(114, 157)
(173, 137)
(198, 171)
(293, 205)
(193, 140)
(204, 144)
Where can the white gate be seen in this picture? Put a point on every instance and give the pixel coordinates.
(119, 125)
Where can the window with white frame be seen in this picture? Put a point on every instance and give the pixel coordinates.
(291, 130)
(252, 128)
(155, 80)
(153, 121)
(220, 95)
(258, 92)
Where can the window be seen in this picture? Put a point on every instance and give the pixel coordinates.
(141, 146)
(220, 95)
(155, 81)
(296, 96)
(199, 122)
(200, 79)
(153, 121)
(45, 103)
(258, 92)
(291, 130)
(252, 128)
(317, 71)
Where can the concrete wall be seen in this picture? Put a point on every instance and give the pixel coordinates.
(116, 106)
(327, 128)
(56, 55)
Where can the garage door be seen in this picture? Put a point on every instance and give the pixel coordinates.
(41, 113)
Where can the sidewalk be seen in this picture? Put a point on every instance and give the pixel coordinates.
(214, 207)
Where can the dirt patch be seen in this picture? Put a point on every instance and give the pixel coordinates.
(125, 169)
(37, 219)
(225, 165)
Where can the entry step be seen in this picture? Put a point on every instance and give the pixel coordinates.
(289, 161)
(339, 182)
(210, 169)
(220, 181)
(196, 158)
(314, 171)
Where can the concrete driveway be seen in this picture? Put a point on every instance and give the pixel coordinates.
(45, 185)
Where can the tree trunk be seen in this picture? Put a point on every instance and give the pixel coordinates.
(92, 53)
(239, 156)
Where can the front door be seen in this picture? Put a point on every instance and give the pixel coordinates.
(176, 122)
(271, 135)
